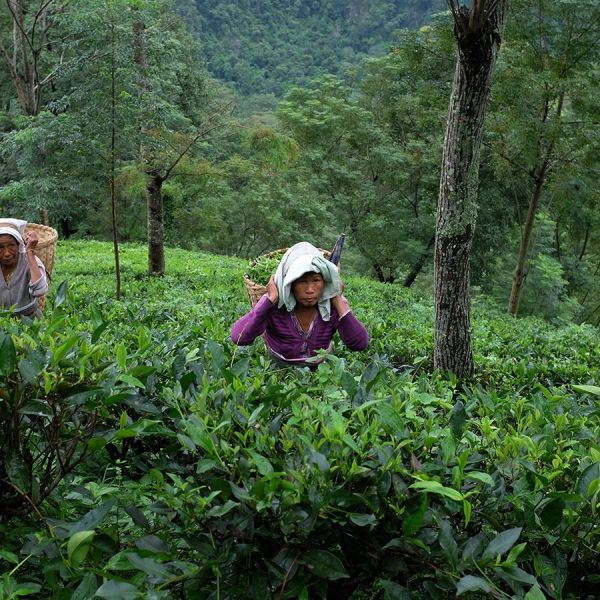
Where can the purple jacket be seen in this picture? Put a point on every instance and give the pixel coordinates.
(286, 339)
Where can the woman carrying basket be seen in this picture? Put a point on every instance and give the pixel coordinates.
(23, 273)
(301, 311)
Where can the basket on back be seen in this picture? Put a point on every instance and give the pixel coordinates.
(45, 250)
(257, 290)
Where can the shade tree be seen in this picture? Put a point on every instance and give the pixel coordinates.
(359, 171)
(543, 122)
(477, 31)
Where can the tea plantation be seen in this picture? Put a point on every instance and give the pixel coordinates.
(143, 455)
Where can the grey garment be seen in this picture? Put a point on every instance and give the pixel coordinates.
(19, 293)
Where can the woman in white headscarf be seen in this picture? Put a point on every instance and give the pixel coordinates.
(23, 274)
(301, 311)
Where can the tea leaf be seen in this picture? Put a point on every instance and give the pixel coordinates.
(469, 583)
(502, 543)
(591, 473)
(9, 556)
(458, 419)
(394, 591)
(479, 476)
(87, 588)
(117, 590)
(363, 520)
(535, 593)
(91, 519)
(414, 520)
(587, 389)
(137, 516)
(325, 564)
(31, 367)
(448, 543)
(131, 380)
(152, 543)
(149, 566)
(8, 355)
(516, 574)
(552, 513)
(435, 487)
(263, 465)
(78, 546)
(18, 472)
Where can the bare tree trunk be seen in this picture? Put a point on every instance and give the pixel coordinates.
(113, 160)
(585, 242)
(477, 31)
(419, 264)
(153, 191)
(539, 179)
(520, 272)
(29, 42)
(156, 234)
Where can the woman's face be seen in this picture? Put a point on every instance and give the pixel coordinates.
(308, 289)
(9, 251)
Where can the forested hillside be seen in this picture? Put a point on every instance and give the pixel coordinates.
(264, 47)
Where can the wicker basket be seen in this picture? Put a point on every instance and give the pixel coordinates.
(255, 290)
(45, 250)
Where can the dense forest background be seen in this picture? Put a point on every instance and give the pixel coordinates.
(264, 47)
(249, 128)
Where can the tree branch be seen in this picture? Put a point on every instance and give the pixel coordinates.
(199, 135)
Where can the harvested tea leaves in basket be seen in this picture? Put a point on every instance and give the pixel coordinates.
(263, 267)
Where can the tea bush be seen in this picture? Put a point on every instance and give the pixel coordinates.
(201, 470)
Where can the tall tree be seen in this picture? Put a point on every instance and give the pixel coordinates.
(25, 44)
(545, 112)
(478, 34)
(170, 127)
(369, 158)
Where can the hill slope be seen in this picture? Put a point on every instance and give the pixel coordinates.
(210, 288)
(154, 459)
(264, 46)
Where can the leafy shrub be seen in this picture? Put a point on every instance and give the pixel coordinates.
(212, 473)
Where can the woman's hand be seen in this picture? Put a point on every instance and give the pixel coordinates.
(340, 303)
(272, 291)
(31, 241)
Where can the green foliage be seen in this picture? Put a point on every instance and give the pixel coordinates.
(356, 151)
(266, 47)
(210, 472)
(61, 160)
(542, 130)
(546, 292)
(262, 267)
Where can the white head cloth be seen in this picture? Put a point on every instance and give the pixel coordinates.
(16, 228)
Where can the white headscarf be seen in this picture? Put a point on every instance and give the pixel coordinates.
(305, 258)
(16, 228)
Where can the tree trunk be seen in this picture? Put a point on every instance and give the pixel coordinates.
(477, 31)
(113, 161)
(520, 271)
(154, 181)
(540, 175)
(156, 247)
(29, 45)
(419, 264)
(585, 242)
